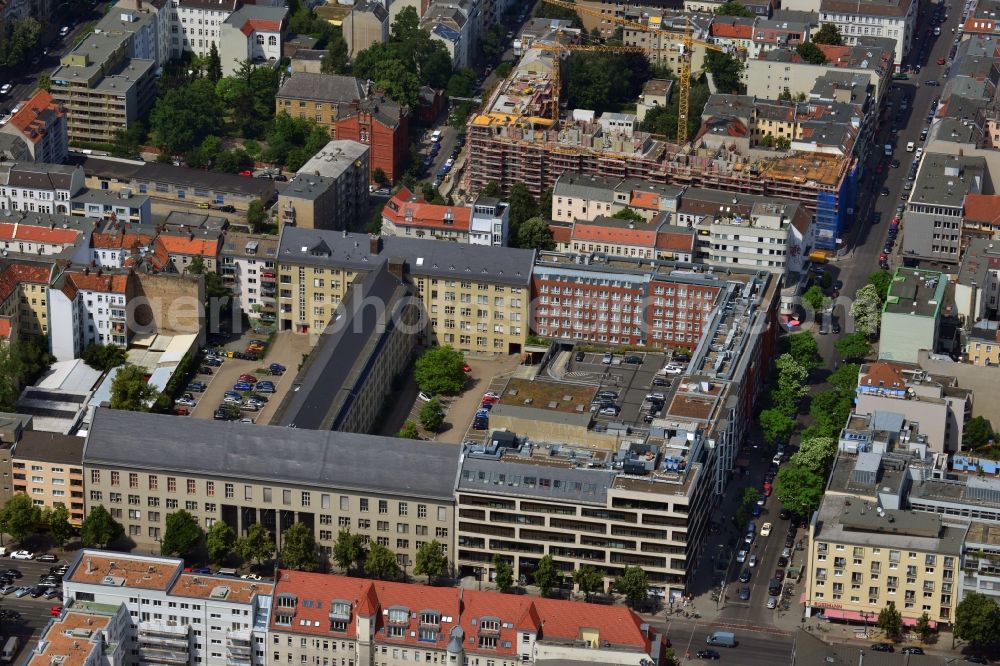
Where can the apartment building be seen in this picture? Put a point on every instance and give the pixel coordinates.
(360, 355)
(252, 33)
(367, 23)
(48, 468)
(197, 24)
(83, 637)
(862, 556)
(24, 293)
(172, 616)
(275, 476)
(490, 223)
(933, 215)
(350, 109)
(409, 214)
(248, 266)
(117, 244)
(617, 237)
(47, 235)
(782, 71)
(102, 89)
(935, 402)
(456, 24)
(980, 218)
(41, 125)
(896, 20)
(90, 307)
(42, 188)
(377, 622)
(182, 248)
(911, 316)
(477, 297)
(145, 24)
(772, 238)
(168, 183)
(124, 207)
(330, 191)
(735, 32)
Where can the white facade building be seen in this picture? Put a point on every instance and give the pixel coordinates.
(41, 188)
(196, 24)
(254, 33)
(87, 307)
(895, 19)
(489, 222)
(248, 265)
(177, 617)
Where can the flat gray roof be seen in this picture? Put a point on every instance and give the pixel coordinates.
(508, 477)
(434, 258)
(849, 520)
(225, 449)
(917, 292)
(944, 180)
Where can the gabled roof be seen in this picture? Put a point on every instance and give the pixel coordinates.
(599, 233)
(731, 28)
(33, 233)
(409, 210)
(98, 281)
(15, 274)
(322, 88)
(37, 114)
(884, 374)
(205, 247)
(982, 208)
(119, 240)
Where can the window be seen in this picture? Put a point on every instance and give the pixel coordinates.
(306, 500)
(191, 487)
(95, 476)
(154, 482)
(230, 491)
(383, 506)
(403, 508)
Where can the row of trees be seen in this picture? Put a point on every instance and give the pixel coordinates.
(20, 518)
(632, 583)
(351, 554)
(977, 621)
(21, 363)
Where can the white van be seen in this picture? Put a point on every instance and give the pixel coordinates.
(436, 136)
(9, 649)
(910, 147)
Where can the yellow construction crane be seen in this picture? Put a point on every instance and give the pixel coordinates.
(687, 42)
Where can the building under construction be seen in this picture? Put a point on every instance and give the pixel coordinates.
(517, 140)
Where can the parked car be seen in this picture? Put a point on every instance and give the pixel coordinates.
(276, 368)
(48, 557)
(22, 555)
(741, 556)
(212, 361)
(753, 561)
(55, 611)
(248, 378)
(197, 386)
(22, 592)
(7, 589)
(610, 411)
(265, 387)
(579, 356)
(242, 386)
(708, 654)
(912, 650)
(185, 402)
(745, 576)
(633, 360)
(745, 593)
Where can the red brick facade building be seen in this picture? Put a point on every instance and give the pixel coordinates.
(385, 128)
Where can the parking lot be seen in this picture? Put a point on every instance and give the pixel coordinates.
(632, 382)
(287, 349)
(31, 614)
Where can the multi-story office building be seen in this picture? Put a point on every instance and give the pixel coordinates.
(933, 215)
(477, 298)
(41, 124)
(275, 476)
(366, 622)
(48, 468)
(174, 617)
(862, 556)
(911, 316)
(102, 88)
(330, 191)
(248, 265)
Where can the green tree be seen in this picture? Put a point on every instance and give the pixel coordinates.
(99, 529)
(605, 81)
(22, 39)
(348, 550)
(811, 53)
(21, 517)
(881, 281)
(103, 357)
(792, 377)
(534, 234)
(214, 66)
(733, 8)
(185, 115)
(220, 542)
(196, 267)
(634, 585)
(629, 214)
(130, 390)
(432, 415)
(504, 576)
(45, 82)
(439, 371)
(775, 425)
(589, 580)
(257, 545)
(522, 204)
(977, 620)
(814, 297)
(183, 534)
(298, 548)
(408, 431)
(128, 142)
(545, 575)
(337, 59)
(462, 83)
(828, 33)
(57, 520)
(977, 432)
(491, 189)
(381, 562)
(726, 71)
(799, 489)
(491, 43)
(890, 620)
(749, 497)
(923, 627)
(867, 310)
(853, 347)
(430, 561)
(782, 143)
(804, 349)
(380, 177)
(767, 141)
(256, 216)
(21, 363)
(815, 455)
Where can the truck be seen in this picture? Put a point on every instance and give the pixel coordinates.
(818, 257)
(9, 650)
(722, 639)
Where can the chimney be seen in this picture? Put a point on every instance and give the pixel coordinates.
(374, 244)
(397, 267)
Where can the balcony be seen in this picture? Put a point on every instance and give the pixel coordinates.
(162, 656)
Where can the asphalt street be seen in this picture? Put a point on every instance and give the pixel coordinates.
(756, 647)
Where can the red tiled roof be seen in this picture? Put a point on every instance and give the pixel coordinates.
(115, 241)
(885, 374)
(261, 25)
(982, 208)
(15, 274)
(27, 118)
(731, 30)
(641, 199)
(408, 210)
(33, 233)
(562, 232)
(617, 235)
(94, 282)
(206, 247)
(672, 240)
